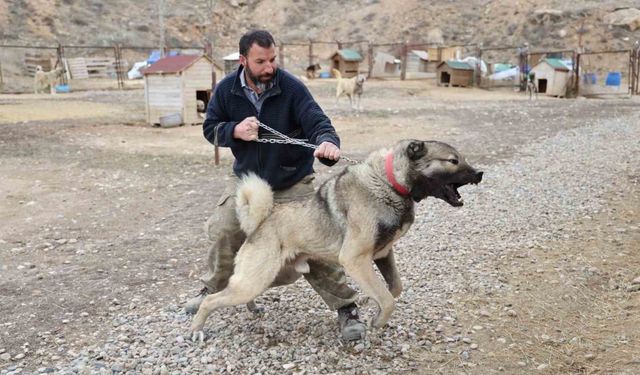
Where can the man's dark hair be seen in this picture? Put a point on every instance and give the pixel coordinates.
(261, 37)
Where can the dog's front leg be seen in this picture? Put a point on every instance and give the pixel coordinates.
(387, 267)
(359, 266)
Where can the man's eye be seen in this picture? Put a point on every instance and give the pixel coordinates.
(453, 161)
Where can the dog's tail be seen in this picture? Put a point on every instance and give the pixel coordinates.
(336, 73)
(253, 203)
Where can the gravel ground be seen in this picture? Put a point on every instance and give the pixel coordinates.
(522, 203)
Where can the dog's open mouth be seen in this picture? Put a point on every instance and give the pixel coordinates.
(452, 196)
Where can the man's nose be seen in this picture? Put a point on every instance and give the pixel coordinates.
(271, 67)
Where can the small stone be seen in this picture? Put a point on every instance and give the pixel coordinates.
(473, 346)
(512, 313)
(288, 366)
(522, 364)
(633, 288)
(18, 357)
(542, 366)
(5, 356)
(502, 340)
(477, 328)
(589, 356)
(636, 281)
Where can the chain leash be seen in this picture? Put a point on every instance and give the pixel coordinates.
(292, 141)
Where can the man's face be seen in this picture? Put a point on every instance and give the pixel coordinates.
(260, 63)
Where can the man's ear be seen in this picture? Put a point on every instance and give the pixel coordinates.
(416, 150)
(243, 60)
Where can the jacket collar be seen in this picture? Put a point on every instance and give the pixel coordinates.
(237, 84)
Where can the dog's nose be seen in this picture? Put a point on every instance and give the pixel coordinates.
(479, 177)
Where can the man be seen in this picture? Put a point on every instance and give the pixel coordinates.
(259, 92)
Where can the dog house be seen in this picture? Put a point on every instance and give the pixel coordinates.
(231, 62)
(347, 61)
(454, 73)
(417, 61)
(551, 77)
(385, 65)
(174, 85)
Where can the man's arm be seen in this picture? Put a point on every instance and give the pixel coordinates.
(317, 127)
(217, 128)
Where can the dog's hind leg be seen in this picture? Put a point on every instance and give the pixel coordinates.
(255, 270)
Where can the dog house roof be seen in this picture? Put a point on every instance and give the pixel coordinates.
(556, 64)
(461, 65)
(349, 54)
(172, 64)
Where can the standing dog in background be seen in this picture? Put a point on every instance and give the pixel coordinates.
(43, 79)
(351, 87)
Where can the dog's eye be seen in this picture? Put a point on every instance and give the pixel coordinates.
(453, 161)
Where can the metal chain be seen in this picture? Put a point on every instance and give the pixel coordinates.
(292, 141)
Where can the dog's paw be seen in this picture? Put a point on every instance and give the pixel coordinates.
(198, 336)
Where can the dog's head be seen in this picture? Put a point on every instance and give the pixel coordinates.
(38, 68)
(434, 169)
(360, 78)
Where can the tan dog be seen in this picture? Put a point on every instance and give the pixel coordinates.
(42, 80)
(353, 219)
(351, 87)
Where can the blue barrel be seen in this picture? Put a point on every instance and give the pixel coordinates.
(613, 79)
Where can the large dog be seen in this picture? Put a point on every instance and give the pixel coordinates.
(42, 80)
(353, 219)
(351, 87)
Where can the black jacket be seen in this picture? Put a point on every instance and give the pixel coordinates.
(290, 109)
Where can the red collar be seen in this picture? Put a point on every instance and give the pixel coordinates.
(388, 167)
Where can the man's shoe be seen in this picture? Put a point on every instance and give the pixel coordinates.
(192, 305)
(350, 325)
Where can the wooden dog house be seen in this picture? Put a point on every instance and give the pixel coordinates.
(174, 85)
(454, 73)
(551, 77)
(347, 61)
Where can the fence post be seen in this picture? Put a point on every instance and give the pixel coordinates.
(576, 68)
(310, 52)
(370, 53)
(60, 57)
(1, 79)
(281, 53)
(479, 66)
(403, 73)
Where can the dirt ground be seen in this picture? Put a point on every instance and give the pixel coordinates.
(101, 212)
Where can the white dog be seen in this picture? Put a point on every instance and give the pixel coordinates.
(351, 87)
(43, 79)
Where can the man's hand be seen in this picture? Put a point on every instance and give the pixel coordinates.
(327, 150)
(247, 130)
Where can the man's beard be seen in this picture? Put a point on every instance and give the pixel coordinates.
(260, 81)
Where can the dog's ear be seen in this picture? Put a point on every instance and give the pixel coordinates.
(416, 150)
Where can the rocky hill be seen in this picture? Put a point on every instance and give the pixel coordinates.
(543, 23)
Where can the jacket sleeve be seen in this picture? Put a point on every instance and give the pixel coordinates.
(217, 128)
(315, 124)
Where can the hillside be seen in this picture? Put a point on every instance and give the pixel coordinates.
(544, 24)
